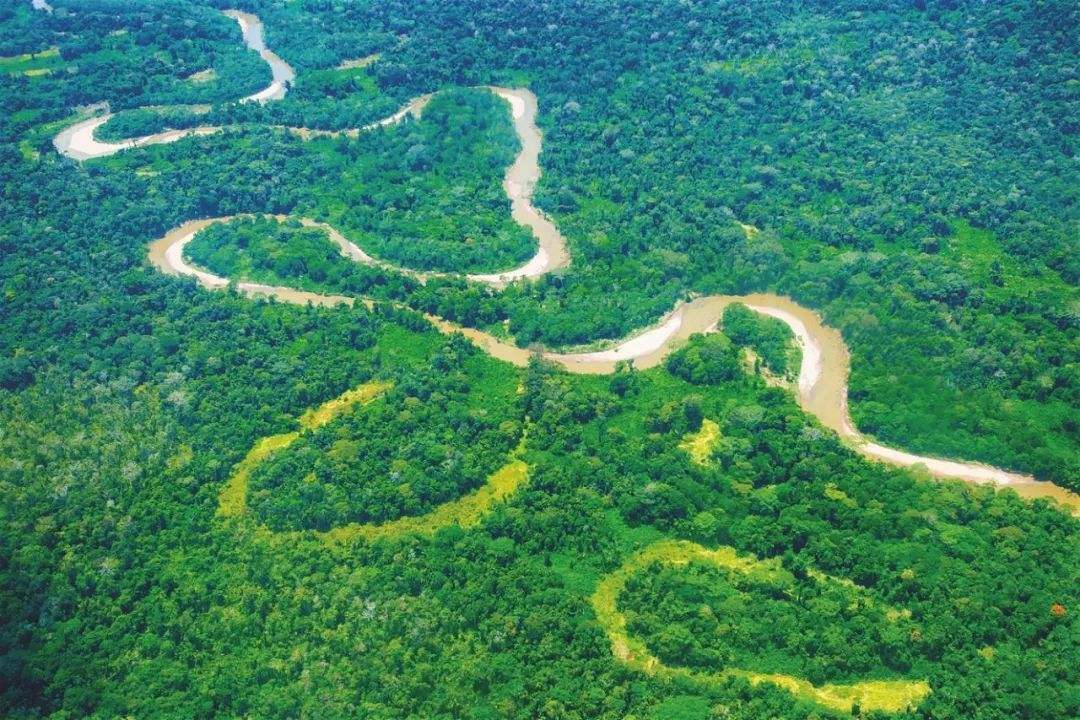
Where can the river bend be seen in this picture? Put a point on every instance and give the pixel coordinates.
(821, 386)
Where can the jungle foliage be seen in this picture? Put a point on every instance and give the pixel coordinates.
(769, 338)
(438, 434)
(911, 167)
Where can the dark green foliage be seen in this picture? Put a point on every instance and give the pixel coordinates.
(15, 373)
(851, 144)
(770, 338)
(437, 434)
(136, 123)
(827, 129)
(124, 53)
(710, 619)
(706, 359)
(429, 195)
(261, 248)
(874, 144)
(329, 99)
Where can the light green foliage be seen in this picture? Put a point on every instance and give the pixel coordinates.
(883, 695)
(910, 171)
(682, 707)
(32, 64)
(700, 444)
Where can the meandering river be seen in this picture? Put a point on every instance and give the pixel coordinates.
(821, 388)
(78, 142)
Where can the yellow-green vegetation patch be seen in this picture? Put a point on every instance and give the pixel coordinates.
(880, 695)
(746, 66)
(233, 498)
(700, 444)
(316, 418)
(232, 501)
(465, 511)
(359, 62)
(750, 231)
(836, 494)
(32, 64)
(761, 64)
(181, 458)
(202, 76)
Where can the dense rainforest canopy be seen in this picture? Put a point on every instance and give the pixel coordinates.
(905, 167)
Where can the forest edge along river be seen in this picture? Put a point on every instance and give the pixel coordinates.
(821, 388)
(281, 73)
(78, 142)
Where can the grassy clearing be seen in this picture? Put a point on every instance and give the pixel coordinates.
(880, 695)
(358, 62)
(316, 418)
(978, 251)
(356, 74)
(44, 132)
(203, 76)
(701, 443)
(232, 502)
(764, 64)
(750, 231)
(32, 64)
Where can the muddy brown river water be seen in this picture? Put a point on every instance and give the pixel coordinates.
(821, 387)
(78, 142)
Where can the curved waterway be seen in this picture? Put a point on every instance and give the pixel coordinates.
(78, 142)
(821, 388)
(518, 183)
(251, 28)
